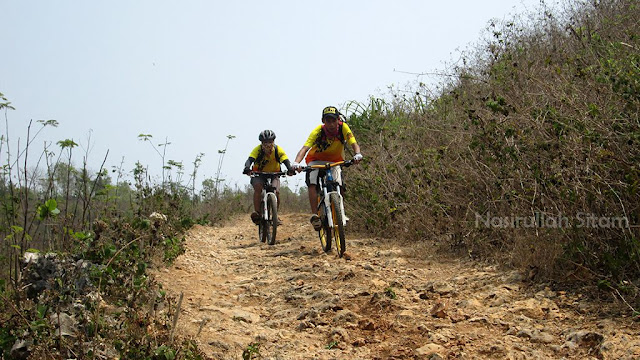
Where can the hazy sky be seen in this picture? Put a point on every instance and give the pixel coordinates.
(193, 72)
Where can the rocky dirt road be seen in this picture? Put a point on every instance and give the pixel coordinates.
(293, 301)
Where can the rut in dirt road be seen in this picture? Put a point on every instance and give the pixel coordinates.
(293, 301)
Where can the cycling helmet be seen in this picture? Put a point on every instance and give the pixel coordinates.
(266, 135)
(330, 111)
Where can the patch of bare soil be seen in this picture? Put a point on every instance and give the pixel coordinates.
(293, 301)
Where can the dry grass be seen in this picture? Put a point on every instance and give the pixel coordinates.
(540, 120)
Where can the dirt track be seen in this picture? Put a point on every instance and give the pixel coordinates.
(385, 302)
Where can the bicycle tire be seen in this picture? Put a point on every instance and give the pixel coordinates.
(338, 224)
(325, 231)
(262, 233)
(272, 218)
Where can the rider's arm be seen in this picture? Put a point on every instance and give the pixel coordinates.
(247, 165)
(357, 157)
(301, 154)
(355, 147)
(287, 163)
(290, 170)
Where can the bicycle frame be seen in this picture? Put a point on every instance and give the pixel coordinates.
(267, 189)
(330, 207)
(328, 185)
(268, 225)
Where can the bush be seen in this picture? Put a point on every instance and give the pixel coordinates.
(538, 126)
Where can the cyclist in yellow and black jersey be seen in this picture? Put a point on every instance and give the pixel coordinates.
(324, 145)
(266, 157)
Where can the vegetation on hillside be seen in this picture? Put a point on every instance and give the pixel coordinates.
(77, 246)
(528, 154)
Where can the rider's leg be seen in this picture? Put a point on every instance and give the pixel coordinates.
(312, 180)
(278, 207)
(313, 198)
(312, 189)
(276, 185)
(313, 202)
(257, 193)
(257, 196)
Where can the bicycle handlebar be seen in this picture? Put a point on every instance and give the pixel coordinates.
(328, 165)
(258, 173)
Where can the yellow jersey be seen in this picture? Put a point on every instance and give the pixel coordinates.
(325, 149)
(268, 163)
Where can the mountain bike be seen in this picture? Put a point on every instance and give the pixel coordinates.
(330, 207)
(268, 224)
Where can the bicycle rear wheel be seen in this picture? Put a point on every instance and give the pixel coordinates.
(325, 231)
(338, 224)
(272, 218)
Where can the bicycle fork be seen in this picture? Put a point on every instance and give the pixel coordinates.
(265, 210)
(344, 216)
(327, 207)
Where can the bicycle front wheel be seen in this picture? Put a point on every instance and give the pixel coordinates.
(338, 224)
(262, 231)
(325, 231)
(272, 218)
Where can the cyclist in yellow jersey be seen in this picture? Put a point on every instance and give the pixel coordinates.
(265, 157)
(325, 144)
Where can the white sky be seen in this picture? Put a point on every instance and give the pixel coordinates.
(193, 72)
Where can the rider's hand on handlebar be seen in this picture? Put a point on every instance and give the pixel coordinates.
(291, 171)
(246, 171)
(296, 166)
(357, 157)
